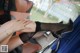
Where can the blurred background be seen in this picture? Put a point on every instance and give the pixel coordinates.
(51, 11)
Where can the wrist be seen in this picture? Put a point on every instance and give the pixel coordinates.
(9, 31)
(6, 30)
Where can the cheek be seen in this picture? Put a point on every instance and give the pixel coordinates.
(21, 5)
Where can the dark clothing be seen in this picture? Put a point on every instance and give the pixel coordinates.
(70, 42)
(2, 4)
(11, 5)
(4, 18)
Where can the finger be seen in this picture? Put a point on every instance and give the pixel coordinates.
(27, 22)
(20, 21)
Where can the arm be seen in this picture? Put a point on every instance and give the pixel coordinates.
(57, 27)
(53, 27)
(14, 42)
(5, 41)
(11, 27)
(4, 34)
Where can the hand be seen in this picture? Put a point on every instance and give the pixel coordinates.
(7, 25)
(19, 25)
(31, 48)
(31, 27)
(14, 25)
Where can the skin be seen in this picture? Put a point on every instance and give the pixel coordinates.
(11, 27)
(7, 37)
(13, 45)
(22, 7)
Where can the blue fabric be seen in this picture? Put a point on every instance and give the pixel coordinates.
(70, 43)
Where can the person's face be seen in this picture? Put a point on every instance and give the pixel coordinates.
(21, 5)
